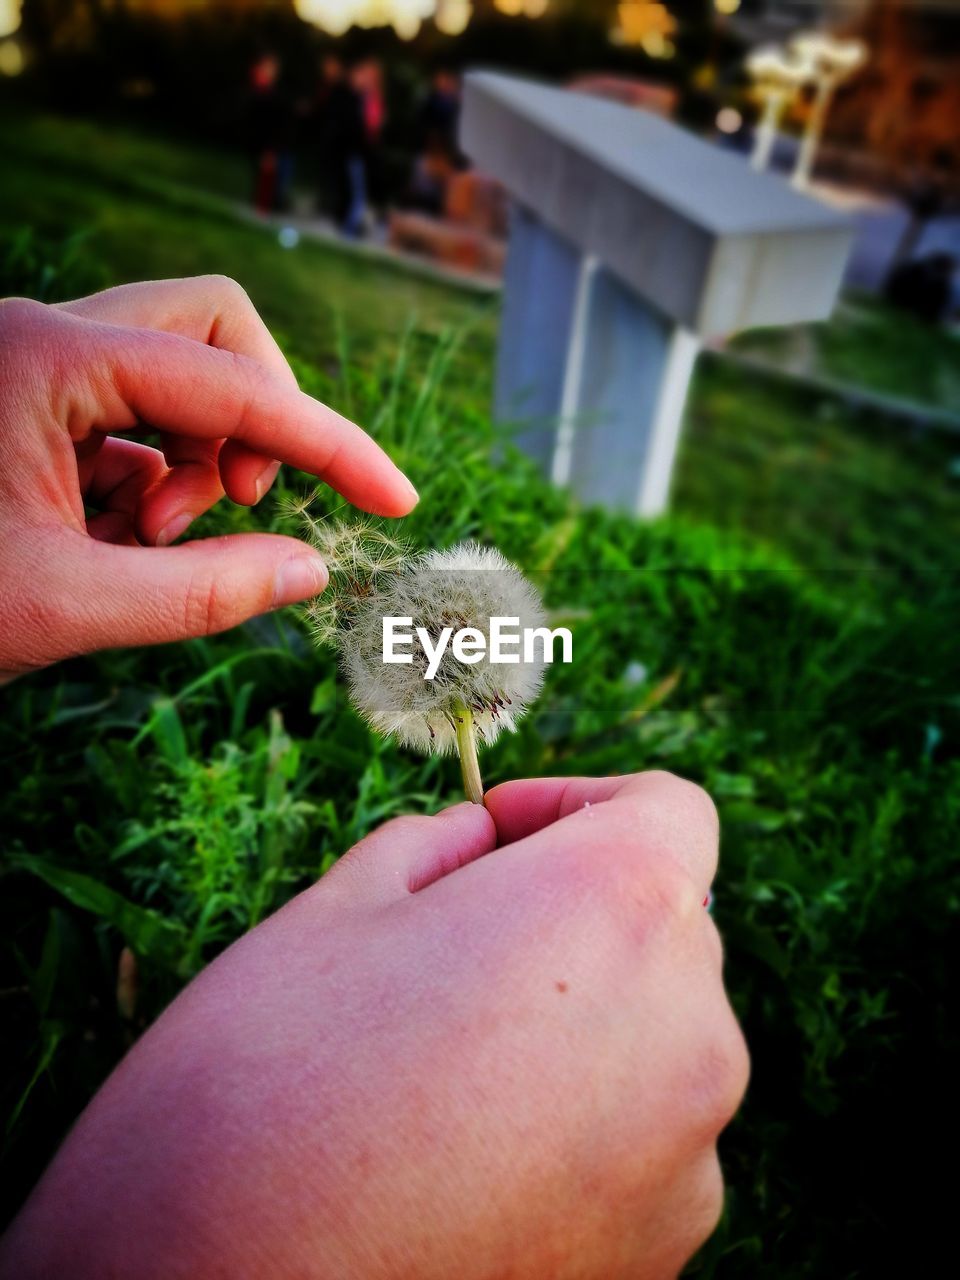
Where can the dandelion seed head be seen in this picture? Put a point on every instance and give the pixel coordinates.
(356, 555)
(463, 587)
(373, 576)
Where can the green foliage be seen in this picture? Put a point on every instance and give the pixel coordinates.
(49, 271)
(787, 638)
(868, 344)
(141, 209)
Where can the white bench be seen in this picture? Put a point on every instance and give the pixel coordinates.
(631, 241)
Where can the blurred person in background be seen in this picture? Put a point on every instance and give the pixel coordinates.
(336, 128)
(440, 113)
(270, 120)
(438, 157)
(363, 160)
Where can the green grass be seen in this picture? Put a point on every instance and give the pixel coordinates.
(116, 154)
(833, 487)
(148, 219)
(795, 622)
(867, 344)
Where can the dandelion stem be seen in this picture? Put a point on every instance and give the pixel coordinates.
(467, 749)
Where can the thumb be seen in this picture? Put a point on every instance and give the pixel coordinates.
(95, 595)
(411, 853)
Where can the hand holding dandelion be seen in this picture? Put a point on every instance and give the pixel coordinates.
(496, 1025)
(438, 697)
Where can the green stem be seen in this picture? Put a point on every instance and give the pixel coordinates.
(467, 749)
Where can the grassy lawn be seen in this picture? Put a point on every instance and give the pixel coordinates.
(146, 219)
(786, 637)
(866, 345)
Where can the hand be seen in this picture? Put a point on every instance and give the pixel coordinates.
(432, 1064)
(193, 360)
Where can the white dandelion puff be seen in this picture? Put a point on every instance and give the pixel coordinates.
(464, 704)
(461, 588)
(356, 555)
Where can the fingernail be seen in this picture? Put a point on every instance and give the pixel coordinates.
(299, 578)
(264, 480)
(171, 531)
(411, 491)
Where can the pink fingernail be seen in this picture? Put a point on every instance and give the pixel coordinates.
(299, 578)
(264, 480)
(173, 529)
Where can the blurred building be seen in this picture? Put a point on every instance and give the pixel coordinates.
(895, 124)
(774, 21)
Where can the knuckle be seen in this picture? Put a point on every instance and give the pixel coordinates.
(207, 608)
(646, 863)
(649, 902)
(351, 873)
(718, 1080)
(708, 1198)
(648, 891)
(227, 288)
(17, 311)
(254, 387)
(224, 284)
(673, 888)
(688, 796)
(738, 1062)
(713, 943)
(356, 871)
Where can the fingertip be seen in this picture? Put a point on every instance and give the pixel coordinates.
(409, 497)
(463, 833)
(246, 476)
(467, 816)
(394, 501)
(170, 506)
(174, 528)
(299, 578)
(264, 481)
(520, 807)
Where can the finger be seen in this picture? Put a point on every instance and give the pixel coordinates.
(101, 597)
(410, 853)
(115, 527)
(120, 473)
(520, 808)
(211, 309)
(185, 388)
(214, 310)
(165, 492)
(190, 487)
(640, 814)
(86, 454)
(157, 502)
(246, 476)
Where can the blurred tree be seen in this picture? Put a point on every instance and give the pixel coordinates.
(904, 107)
